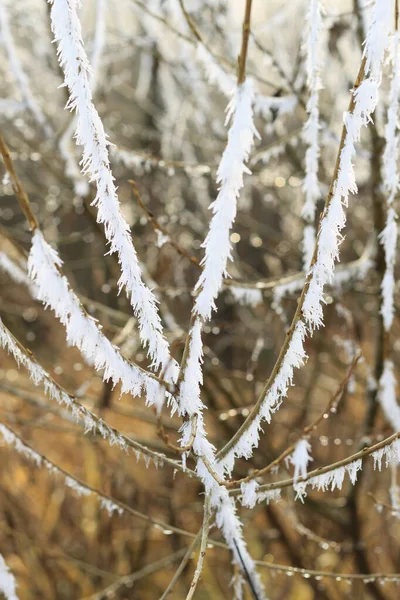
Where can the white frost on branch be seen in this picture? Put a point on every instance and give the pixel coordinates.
(217, 245)
(365, 98)
(378, 36)
(8, 587)
(232, 530)
(230, 177)
(300, 458)
(249, 493)
(72, 170)
(391, 454)
(311, 128)
(189, 392)
(308, 244)
(81, 329)
(330, 480)
(95, 162)
(91, 422)
(388, 236)
(334, 220)
(12, 440)
(355, 270)
(190, 404)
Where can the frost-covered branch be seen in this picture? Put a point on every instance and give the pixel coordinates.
(52, 288)
(311, 128)
(230, 178)
(387, 395)
(95, 162)
(217, 252)
(301, 444)
(309, 313)
(82, 330)
(91, 422)
(332, 475)
(388, 238)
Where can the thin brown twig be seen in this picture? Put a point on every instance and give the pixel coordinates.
(182, 566)
(194, 41)
(192, 25)
(178, 449)
(203, 548)
(128, 580)
(171, 528)
(241, 73)
(384, 505)
(17, 186)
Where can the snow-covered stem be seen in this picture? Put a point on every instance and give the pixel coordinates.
(18, 71)
(311, 128)
(96, 164)
(210, 472)
(8, 586)
(388, 448)
(66, 146)
(309, 312)
(230, 178)
(388, 237)
(217, 252)
(52, 288)
(83, 331)
(91, 422)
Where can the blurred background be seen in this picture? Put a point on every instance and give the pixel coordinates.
(164, 112)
